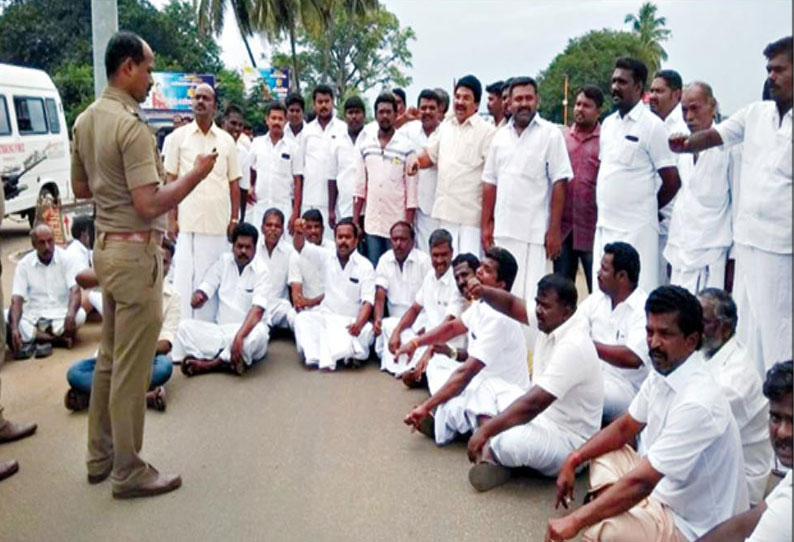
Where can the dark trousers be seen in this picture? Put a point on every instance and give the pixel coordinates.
(568, 262)
(375, 246)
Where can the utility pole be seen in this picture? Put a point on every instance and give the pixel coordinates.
(104, 23)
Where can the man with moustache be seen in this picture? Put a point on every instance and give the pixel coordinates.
(762, 228)
(700, 229)
(523, 194)
(275, 170)
(344, 163)
(205, 219)
(496, 104)
(459, 149)
(690, 446)
(233, 123)
(579, 216)
(419, 133)
(770, 521)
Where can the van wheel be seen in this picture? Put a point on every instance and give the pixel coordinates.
(46, 198)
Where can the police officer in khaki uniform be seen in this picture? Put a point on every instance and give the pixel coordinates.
(115, 161)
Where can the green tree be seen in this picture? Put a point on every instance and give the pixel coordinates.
(75, 83)
(587, 59)
(652, 32)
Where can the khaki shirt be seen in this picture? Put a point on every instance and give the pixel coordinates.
(208, 208)
(114, 151)
(459, 151)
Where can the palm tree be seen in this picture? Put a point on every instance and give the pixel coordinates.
(211, 15)
(651, 31)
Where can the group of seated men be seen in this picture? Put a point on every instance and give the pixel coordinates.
(652, 391)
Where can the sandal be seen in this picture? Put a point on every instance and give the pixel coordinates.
(157, 400)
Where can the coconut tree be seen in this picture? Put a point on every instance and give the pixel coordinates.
(212, 14)
(651, 31)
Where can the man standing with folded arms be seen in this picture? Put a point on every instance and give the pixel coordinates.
(115, 162)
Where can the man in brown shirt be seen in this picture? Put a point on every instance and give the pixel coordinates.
(115, 161)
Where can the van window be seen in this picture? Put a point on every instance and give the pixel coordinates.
(5, 124)
(30, 115)
(52, 116)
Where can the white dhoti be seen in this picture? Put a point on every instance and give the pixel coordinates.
(207, 340)
(644, 239)
(55, 318)
(464, 238)
(323, 338)
(703, 269)
(195, 254)
(95, 298)
(438, 371)
(281, 314)
(763, 300)
(425, 226)
(387, 360)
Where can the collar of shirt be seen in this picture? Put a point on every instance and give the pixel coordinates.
(675, 117)
(57, 259)
(281, 246)
(635, 300)
(680, 377)
(194, 127)
(316, 127)
(724, 353)
(562, 330)
(471, 120)
(118, 95)
(511, 126)
(634, 114)
(583, 136)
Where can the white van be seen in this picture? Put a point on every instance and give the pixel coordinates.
(34, 141)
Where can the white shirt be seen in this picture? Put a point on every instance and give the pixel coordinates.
(775, 522)
(498, 342)
(277, 265)
(701, 221)
(622, 326)
(675, 124)
(764, 215)
(691, 438)
(428, 177)
(401, 285)
(523, 168)
(314, 153)
(346, 289)
(566, 365)
(459, 151)
(171, 313)
(78, 256)
(237, 292)
(633, 148)
(439, 297)
(343, 168)
(43, 288)
(276, 167)
(734, 371)
(244, 161)
(295, 138)
(303, 271)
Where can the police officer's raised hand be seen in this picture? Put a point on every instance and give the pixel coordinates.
(205, 162)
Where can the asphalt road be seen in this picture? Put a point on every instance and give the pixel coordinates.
(283, 453)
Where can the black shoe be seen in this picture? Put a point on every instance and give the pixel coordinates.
(26, 352)
(43, 350)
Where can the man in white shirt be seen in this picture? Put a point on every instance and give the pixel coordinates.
(762, 229)
(237, 336)
(419, 133)
(615, 314)
(523, 199)
(665, 100)
(79, 253)
(770, 521)
(205, 219)
(274, 252)
(497, 350)
(295, 108)
(735, 372)
(344, 163)
(538, 427)
(700, 229)
(233, 123)
(689, 473)
(315, 153)
(399, 277)
(496, 106)
(633, 152)
(45, 299)
(306, 281)
(340, 329)
(275, 171)
(459, 149)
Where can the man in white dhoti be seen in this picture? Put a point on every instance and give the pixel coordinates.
(306, 281)
(497, 349)
(735, 372)
(275, 252)
(700, 229)
(615, 315)
(538, 427)
(237, 337)
(762, 229)
(340, 328)
(399, 276)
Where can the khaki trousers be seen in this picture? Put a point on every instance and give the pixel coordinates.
(649, 520)
(131, 278)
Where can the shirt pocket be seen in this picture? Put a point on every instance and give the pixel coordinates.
(283, 164)
(628, 149)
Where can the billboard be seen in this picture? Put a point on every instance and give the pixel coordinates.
(277, 81)
(173, 91)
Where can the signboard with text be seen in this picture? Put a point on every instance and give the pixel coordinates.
(173, 91)
(277, 81)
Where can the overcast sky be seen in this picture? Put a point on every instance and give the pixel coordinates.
(718, 41)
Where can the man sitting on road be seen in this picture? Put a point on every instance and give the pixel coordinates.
(306, 280)
(238, 336)
(399, 277)
(81, 373)
(340, 329)
(45, 299)
(80, 256)
(274, 253)
(689, 474)
(497, 349)
(539, 427)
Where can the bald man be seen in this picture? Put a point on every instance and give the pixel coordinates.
(45, 299)
(205, 218)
